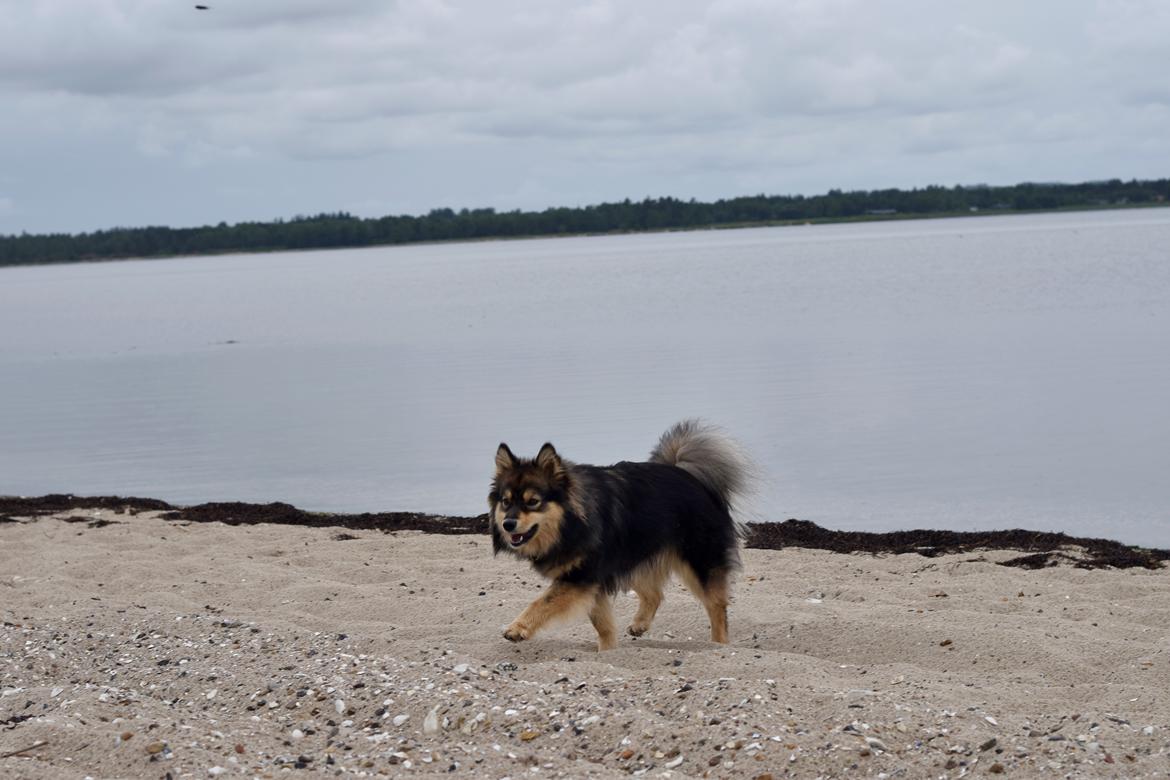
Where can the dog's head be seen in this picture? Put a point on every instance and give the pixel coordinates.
(528, 501)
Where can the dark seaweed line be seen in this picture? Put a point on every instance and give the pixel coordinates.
(1042, 549)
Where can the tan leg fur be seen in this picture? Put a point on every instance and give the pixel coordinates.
(714, 598)
(559, 602)
(602, 618)
(648, 583)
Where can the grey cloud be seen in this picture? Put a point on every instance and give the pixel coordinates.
(582, 99)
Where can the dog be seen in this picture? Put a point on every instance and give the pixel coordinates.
(599, 530)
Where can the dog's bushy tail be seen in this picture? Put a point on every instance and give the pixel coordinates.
(713, 458)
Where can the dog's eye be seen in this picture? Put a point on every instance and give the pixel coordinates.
(505, 502)
(533, 502)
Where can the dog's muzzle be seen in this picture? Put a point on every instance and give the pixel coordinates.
(518, 540)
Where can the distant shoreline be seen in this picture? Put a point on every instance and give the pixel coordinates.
(907, 217)
(332, 232)
(1040, 549)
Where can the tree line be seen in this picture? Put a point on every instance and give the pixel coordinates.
(341, 229)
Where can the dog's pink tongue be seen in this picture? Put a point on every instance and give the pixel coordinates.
(517, 538)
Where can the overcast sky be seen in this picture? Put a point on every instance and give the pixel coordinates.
(149, 112)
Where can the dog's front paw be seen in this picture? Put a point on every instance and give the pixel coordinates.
(637, 629)
(516, 633)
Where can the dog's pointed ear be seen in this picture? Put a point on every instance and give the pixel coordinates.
(504, 459)
(551, 462)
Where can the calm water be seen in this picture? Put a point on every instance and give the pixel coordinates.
(975, 373)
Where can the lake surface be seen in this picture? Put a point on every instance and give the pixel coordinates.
(970, 373)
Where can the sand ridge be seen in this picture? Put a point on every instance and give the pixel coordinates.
(149, 647)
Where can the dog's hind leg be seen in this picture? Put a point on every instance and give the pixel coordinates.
(714, 595)
(648, 602)
(647, 583)
(602, 618)
(715, 598)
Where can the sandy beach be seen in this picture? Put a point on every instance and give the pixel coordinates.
(163, 648)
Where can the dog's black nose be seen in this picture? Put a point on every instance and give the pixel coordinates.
(509, 525)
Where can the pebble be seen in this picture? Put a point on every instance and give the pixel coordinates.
(460, 668)
(215, 771)
(672, 763)
(339, 705)
(156, 747)
(297, 733)
(400, 719)
(431, 722)
(989, 744)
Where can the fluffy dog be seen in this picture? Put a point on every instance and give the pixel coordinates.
(595, 531)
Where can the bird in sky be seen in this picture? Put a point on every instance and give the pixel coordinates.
(202, 7)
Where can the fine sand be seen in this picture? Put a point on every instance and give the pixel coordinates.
(156, 648)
